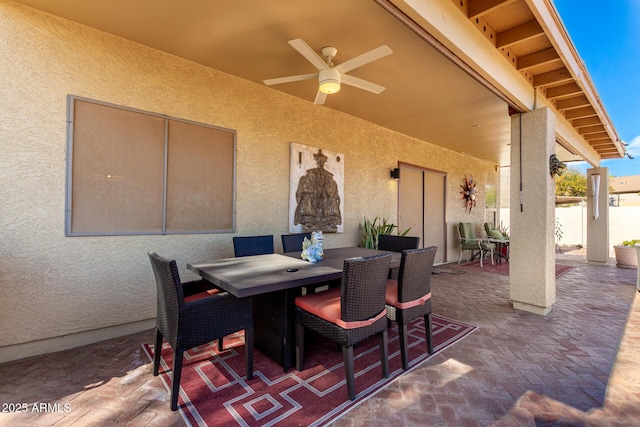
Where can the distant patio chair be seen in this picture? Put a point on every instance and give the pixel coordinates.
(389, 242)
(500, 240)
(469, 242)
(293, 242)
(253, 245)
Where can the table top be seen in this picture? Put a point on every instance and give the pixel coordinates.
(259, 274)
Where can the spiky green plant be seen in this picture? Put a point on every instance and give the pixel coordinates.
(371, 230)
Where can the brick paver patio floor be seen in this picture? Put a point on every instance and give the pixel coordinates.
(517, 369)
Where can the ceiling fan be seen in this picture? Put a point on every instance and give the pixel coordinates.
(329, 76)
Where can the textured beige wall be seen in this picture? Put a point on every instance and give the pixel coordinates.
(53, 286)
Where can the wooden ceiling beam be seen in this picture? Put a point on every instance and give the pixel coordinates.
(542, 57)
(599, 135)
(551, 77)
(578, 101)
(477, 8)
(591, 129)
(519, 34)
(601, 143)
(578, 123)
(579, 113)
(563, 90)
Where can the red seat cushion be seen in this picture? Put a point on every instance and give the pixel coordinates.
(201, 295)
(391, 297)
(326, 305)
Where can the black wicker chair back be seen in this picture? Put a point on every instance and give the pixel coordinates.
(293, 242)
(414, 278)
(413, 299)
(362, 289)
(253, 245)
(170, 297)
(362, 298)
(388, 242)
(189, 324)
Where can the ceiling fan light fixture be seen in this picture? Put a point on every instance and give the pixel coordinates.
(329, 81)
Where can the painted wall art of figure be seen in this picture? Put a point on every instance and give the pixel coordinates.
(318, 200)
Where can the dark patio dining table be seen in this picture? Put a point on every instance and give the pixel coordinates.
(273, 281)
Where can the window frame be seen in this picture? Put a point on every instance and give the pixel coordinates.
(69, 187)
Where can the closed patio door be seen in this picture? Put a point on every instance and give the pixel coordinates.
(422, 206)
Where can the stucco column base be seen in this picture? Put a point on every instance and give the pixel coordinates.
(531, 308)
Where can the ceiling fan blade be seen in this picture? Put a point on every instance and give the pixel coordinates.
(311, 55)
(365, 58)
(320, 98)
(289, 79)
(362, 84)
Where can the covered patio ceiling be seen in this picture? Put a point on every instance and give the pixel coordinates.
(429, 94)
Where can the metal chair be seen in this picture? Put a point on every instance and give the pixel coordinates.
(501, 241)
(409, 297)
(293, 242)
(389, 242)
(198, 319)
(348, 314)
(469, 242)
(253, 245)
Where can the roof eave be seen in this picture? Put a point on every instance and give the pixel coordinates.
(547, 15)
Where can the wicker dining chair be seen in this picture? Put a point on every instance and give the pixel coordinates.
(389, 242)
(348, 314)
(409, 297)
(187, 322)
(293, 242)
(253, 245)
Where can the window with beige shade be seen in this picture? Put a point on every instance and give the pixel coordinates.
(137, 172)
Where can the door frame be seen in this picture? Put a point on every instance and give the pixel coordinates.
(444, 174)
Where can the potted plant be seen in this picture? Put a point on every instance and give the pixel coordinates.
(371, 231)
(626, 254)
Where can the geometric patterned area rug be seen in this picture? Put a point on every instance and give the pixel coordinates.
(214, 390)
(504, 267)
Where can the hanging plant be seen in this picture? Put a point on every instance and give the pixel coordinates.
(469, 193)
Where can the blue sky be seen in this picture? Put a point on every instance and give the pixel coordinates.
(606, 34)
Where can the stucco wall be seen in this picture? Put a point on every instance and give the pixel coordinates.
(53, 286)
(623, 225)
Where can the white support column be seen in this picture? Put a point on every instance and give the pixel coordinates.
(532, 278)
(598, 216)
(638, 273)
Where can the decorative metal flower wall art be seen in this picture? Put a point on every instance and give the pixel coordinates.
(469, 193)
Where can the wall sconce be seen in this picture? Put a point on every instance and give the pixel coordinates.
(395, 173)
(595, 189)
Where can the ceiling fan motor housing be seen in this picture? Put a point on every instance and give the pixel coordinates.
(329, 80)
(329, 52)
